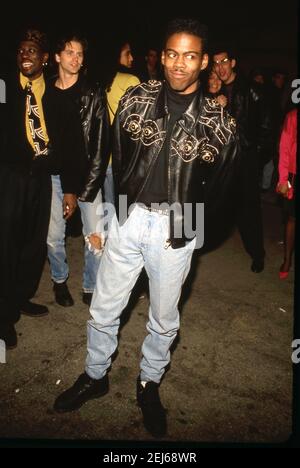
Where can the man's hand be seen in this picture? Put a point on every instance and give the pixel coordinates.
(97, 241)
(69, 204)
(222, 100)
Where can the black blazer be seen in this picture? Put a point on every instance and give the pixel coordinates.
(65, 149)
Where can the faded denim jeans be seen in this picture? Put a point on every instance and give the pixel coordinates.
(139, 242)
(92, 220)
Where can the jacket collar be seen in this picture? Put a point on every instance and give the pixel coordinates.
(189, 117)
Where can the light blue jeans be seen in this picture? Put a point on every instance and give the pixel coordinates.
(140, 241)
(109, 191)
(92, 221)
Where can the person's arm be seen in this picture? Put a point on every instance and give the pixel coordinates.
(220, 160)
(119, 140)
(100, 143)
(122, 148)
(117, 149)
(260, 105)
(285, 146)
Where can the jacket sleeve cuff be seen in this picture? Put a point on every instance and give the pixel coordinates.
(69, 185)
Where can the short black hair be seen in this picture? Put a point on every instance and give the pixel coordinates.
(224, 47)
(255, 72)
(187, 25)
(36, 36)
(279, 71)
(67, 38)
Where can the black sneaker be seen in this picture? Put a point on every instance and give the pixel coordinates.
(9, 335)
(62, 294)
(34, 310)
(154, 414)
(87, 298)
(85, 388)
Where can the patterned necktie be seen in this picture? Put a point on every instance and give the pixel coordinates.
(40, 146)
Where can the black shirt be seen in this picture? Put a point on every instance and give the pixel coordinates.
(73, 94)
(74, 162)
(156, 188)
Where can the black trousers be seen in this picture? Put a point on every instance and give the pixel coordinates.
(25, 202)
(249, 213)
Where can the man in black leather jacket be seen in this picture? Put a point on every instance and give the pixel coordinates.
(165, 135)
(254, 129)
(89, 102)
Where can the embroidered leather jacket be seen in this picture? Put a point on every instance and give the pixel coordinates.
(202, 154)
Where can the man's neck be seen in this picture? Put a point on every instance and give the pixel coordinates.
(151, 68)
(66, 80)
(231, 78)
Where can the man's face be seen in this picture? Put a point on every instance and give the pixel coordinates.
(278, 80)
(152, 58)
(223, 66)
(71, 58)
(30, 59)
(183, 59)
(126, 58)
(259, 79)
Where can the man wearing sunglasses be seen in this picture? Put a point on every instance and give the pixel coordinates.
(254, 128)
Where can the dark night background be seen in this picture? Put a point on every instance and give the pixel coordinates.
(263, 33)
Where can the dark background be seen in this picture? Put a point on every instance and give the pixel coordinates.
(264, 33)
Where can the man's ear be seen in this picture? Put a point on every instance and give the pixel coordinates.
(162, 58)
(233, 63)
(205, 60)
(57, 58)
